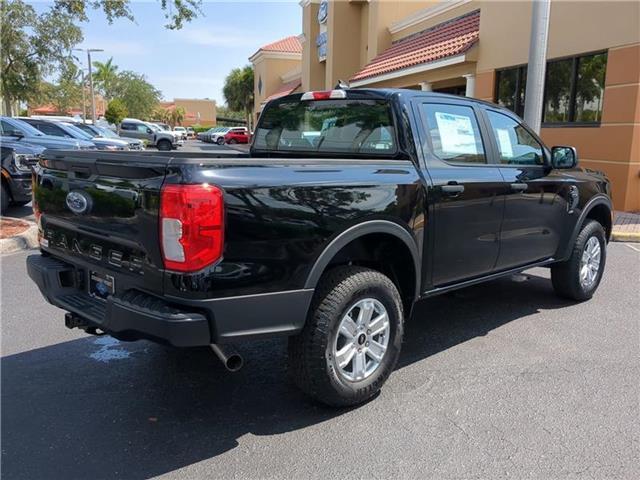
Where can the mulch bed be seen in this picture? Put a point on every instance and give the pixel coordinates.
(10, 227)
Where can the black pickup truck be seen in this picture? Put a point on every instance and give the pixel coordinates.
(351, 206)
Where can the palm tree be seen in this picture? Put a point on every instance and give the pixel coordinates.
(105, 77)
(238, 91)
(177, 116)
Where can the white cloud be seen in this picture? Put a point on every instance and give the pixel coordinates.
(221, 37)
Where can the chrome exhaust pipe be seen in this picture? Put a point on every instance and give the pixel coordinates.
(229, 357)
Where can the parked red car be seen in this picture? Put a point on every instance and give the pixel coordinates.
(237, 135)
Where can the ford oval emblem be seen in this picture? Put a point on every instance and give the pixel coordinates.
(78, 202)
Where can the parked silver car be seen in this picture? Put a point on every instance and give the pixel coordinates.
(67, 130)
(96, 131)
(155, 136)
(15, 128)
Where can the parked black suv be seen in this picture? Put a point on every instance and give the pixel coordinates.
(18, 157)
(351, 206)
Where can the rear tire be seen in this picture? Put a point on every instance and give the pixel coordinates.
(340, 358)
(578, 277)
(164, 145)
(232, 141)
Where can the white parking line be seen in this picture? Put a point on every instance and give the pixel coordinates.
(632, 247)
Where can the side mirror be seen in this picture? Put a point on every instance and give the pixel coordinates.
(149, 130)
(564, 157)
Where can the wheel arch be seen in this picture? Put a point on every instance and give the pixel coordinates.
(600, 209)
(363, 238)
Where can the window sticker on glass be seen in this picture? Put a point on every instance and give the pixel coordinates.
(456, 133)
(504, 142)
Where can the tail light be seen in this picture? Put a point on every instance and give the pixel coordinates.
(191, 226)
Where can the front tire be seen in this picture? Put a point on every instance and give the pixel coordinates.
(5, 200)
(578, 277)
(352, 338)
(220, 141)
(164, 145)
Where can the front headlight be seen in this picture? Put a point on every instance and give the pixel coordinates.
(23, 162)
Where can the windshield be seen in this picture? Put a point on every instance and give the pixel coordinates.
(105, 132)
(77, 132)
(327, 126)
(153, 127)
(24, 127)
(88, 129)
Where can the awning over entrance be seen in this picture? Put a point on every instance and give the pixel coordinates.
(448, 39)
(285, 89)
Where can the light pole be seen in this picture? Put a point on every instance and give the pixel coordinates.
(93, 98)
(84, 99)
(534, 94)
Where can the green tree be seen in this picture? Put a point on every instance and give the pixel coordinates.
(67, 91)
(161, 114)
(138, 96)
(226, 112)
(177, 12)
(115, 112)
(105, 78)
(238, 91)
(177, 115)
(33, 46)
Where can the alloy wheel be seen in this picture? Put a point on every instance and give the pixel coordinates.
(362, 339)
(590, 262)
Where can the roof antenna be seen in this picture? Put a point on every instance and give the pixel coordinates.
(341, 85)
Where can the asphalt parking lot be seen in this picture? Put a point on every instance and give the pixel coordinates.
(495, 381)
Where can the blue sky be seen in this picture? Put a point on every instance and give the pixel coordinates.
(192, 62)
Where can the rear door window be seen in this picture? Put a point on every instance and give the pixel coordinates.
(454, 133)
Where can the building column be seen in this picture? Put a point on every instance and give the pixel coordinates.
(425, 86)
(471, 85)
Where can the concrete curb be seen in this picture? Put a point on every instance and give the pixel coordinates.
(24, 241)
(625, 237)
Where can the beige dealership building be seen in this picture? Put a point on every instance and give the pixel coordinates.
(480, 49)
(198, 111)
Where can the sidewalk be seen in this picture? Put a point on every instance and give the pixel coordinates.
(626, 227)
(16, 234)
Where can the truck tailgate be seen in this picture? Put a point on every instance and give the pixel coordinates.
(100, 211)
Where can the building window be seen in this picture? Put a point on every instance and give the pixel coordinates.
(573, 91)
(510, 87)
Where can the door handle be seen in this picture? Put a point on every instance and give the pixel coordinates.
(519, 187)
(452, 189)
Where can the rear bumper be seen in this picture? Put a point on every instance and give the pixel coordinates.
(135, 315)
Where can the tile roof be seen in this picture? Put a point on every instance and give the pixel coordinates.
(285, 89)
(447, 39)
(287, 45)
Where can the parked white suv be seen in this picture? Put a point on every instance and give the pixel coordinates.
(182, 131)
